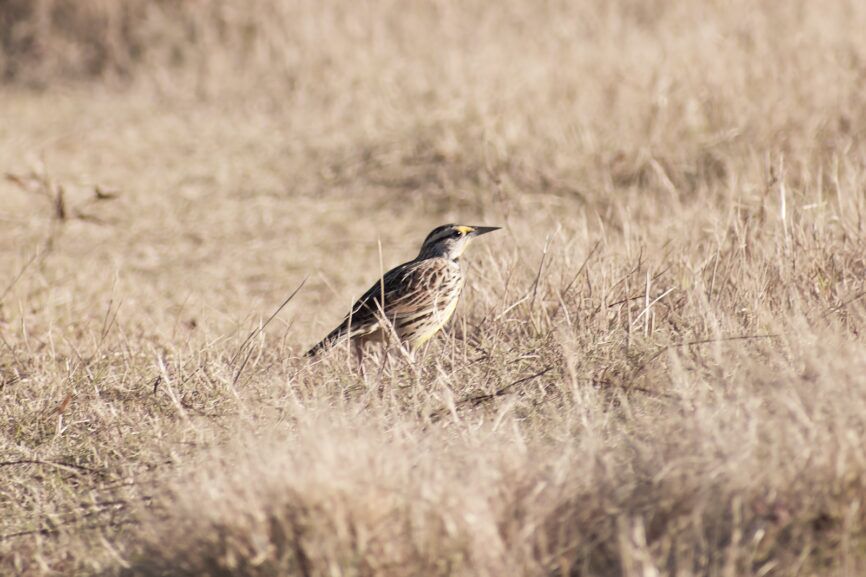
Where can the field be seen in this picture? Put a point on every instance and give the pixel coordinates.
(657, 366)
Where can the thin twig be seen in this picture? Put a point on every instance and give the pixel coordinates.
(843, 304)
(119, 523)
(538, 274)
(71, 467)
(258, 330)
(38, 255)
(582, 267)
(476, 400)
(665, 348)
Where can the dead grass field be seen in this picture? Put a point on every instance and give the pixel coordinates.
(657, 368)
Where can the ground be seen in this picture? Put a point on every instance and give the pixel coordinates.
(657, 365)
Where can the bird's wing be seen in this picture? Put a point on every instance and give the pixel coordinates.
(395, 286)
(410, 291)
(424, 291)
(366, 312)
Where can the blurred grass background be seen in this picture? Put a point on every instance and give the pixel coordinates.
(657, 367)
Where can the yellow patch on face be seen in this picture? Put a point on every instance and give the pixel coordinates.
(464, 229)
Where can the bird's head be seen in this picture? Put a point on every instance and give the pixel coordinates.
(450, 240)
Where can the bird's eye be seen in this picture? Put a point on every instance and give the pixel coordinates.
(457, 233)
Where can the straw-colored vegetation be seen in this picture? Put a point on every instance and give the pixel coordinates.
(657, 368)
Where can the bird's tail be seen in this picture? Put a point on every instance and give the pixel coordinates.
(319, 347)
(326, 343)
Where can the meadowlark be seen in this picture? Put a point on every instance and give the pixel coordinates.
(414, 300)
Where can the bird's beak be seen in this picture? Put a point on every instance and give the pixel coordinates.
(479, 230)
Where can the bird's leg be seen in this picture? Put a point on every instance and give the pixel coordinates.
(406, 351)
(359, 356)
(388, 359)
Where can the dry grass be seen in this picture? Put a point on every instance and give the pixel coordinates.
(657, 368)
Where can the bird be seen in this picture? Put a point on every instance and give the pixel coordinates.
(412, 301)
